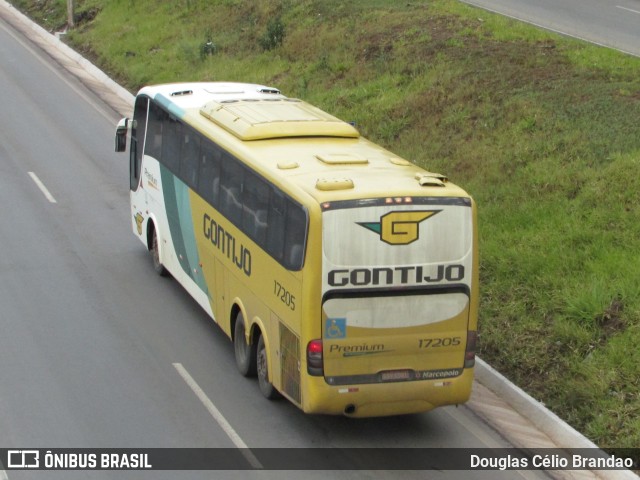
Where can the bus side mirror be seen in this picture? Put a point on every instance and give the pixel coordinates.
(121, 135)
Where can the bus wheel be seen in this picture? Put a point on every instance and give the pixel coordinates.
(245, 353)
(155, 253)
(266, 388)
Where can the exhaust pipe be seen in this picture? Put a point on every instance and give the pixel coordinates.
(350, 409)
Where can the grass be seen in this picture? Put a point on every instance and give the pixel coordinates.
(542, 130)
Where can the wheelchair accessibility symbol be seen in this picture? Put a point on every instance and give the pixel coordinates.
(335, 328)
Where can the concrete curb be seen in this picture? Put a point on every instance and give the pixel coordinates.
(111, 92)
(563, 434)
(549, 423)
(557, 429)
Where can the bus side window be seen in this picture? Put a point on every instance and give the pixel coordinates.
(276, 227)
(295, 234)
(171, 142)
(189, 157)
(153, 142)
(209, 177)
(256, 202)
(231, 189)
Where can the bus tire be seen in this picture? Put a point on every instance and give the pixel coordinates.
(245, 353)
(266, 388)
(155, 254)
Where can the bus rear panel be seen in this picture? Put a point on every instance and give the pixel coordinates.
(396, 305)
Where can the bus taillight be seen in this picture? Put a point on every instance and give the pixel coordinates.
(470, 352)
(315, 363)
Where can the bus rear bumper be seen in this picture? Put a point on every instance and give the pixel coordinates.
(385, 399)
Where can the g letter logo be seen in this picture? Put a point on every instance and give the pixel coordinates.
(399, 228)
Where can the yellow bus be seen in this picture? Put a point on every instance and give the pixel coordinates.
(346, 276)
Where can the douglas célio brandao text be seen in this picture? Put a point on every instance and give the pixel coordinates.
(550, 462)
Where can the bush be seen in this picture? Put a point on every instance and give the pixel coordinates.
(274, 35)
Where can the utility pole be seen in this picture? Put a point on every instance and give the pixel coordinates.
(70, 23)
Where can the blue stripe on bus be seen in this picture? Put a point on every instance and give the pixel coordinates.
(178, 207)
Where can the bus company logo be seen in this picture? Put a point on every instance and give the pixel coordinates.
(139, 219)
(151, 180)
(399, 228)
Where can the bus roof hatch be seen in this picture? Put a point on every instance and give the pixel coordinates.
(261, 119)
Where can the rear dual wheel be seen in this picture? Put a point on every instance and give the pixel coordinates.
(245, 353)
(251, 358)
(267, 389)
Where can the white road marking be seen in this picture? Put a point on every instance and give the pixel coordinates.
(44, 190)
(628, 9)
(215, 413)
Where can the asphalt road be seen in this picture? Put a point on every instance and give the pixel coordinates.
(98, 351)
(612, 23)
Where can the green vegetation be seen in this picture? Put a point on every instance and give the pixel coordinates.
(541, 129)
